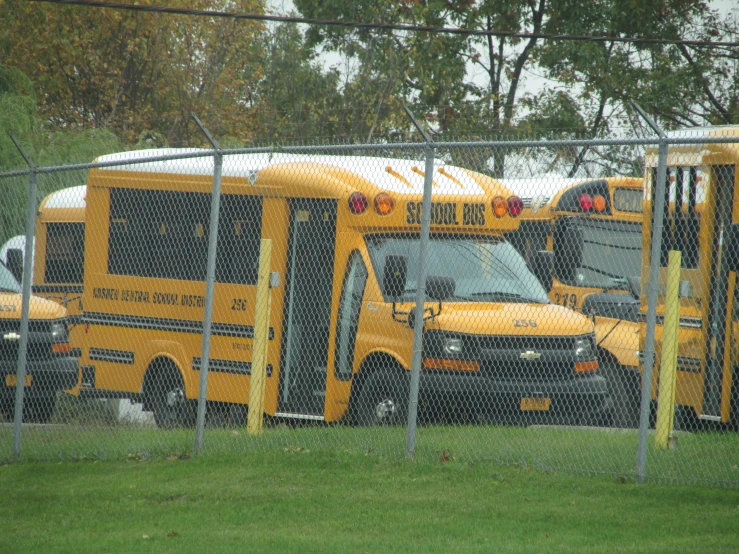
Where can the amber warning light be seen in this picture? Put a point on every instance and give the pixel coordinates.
(384, 203)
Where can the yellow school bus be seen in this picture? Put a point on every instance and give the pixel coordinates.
(59, 254)
(701, 215)
(536, 225)
(49, 365)
(345, 234)
(593, 230)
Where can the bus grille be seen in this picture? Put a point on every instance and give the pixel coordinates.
(39, 347)
(501, 358)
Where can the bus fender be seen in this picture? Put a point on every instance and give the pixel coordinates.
(174, 352)
(375, 360)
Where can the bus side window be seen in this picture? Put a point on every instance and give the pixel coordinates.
(348, 320)
(239, 236)
(65, 252)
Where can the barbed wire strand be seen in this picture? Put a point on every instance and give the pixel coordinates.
(384, 26)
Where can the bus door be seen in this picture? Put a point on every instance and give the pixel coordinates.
(307, 315)
(718, 307)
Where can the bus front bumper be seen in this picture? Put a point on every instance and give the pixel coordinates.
(43, 377)
(581, 400)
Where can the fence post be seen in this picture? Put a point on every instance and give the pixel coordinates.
(20, 373)
(258, 379)
(215, 208)
(410, 443)
(668, 365)
(658, 202)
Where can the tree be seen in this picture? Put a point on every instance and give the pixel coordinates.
(384, 68)
(296, 100)
(19, 116)
(133, 72)
(678, 84)
(429, 71)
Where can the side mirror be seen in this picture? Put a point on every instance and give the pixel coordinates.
(568, 244)
(15, 263)
(440, 288)
(731, 250)
(542, 263)
(394, 276)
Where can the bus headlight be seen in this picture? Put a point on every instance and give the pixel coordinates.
(59, 337)
(453, 347)
(586, 360)
(58, 331)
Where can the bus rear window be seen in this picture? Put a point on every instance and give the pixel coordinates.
(628, 200)
(681, 227)
(65, 252)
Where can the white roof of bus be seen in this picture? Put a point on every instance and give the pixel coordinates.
(248, 166)
(537, 191)
(700, 132)
(73, 197)
(546, 185)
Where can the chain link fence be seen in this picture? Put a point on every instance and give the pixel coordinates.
(448, 300)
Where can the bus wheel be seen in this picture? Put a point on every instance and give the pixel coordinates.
(624, 388)
(166, 396)
(383, 399)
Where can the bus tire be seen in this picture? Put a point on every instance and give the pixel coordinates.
(164, 392)
(383, 399)
(624, 387)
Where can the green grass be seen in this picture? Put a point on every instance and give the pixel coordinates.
(295, 499)
(701, 458)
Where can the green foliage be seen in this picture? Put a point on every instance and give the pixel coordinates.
(131, 72)
(44, 146)
(297, 100)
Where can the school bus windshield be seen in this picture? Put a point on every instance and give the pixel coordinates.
(7, 281)
(484, 269)
(611, 252)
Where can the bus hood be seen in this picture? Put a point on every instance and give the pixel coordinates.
(10, 307)
(509, 319)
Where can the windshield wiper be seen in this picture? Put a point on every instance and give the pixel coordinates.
(413, 298)
(5, 289)
(503, 295)
(619, 283)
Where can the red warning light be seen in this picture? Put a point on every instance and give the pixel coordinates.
(515, 206)
(586, 202)
(358, 203)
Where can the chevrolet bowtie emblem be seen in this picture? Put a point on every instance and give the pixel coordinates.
(11, 336)
(530, 355)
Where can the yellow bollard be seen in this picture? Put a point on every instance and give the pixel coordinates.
(258, 380)
(668, 365)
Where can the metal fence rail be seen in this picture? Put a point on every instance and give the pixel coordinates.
(476, 299)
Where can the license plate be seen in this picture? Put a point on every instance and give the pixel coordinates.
(12, 380)
(535, 404)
